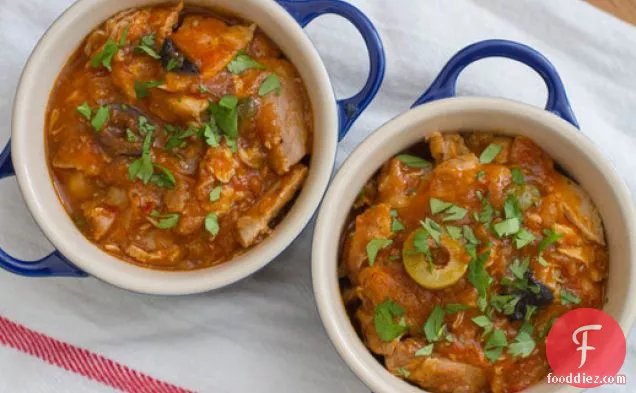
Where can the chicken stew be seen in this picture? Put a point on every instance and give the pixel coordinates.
(460, 254)
(178, 137)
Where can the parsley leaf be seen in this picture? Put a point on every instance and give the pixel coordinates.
(495, 344)
(483, 322)
(454, 232)
(225, 114)
(413, 161)
(270, 84)
(243, 62)
(523, 238)
(523, 345)
(487, 211)
(469, 235)
(146, 45)
(172, 64)
(396, 225)
(105, 56)
(547, 327)
(550, 237)
(434, 326)
(505, 304)
(438, 206)
(142, 168)
(215, 194)
(511, 208)
(210, 133)
(404, 372)
(212, 224)
(163, 179)
(374, 246)
(479, 277)
(145, 126)
(517, 176)
(165, 221)
(383, 319)
(507, 227)
(141, 88)
(433, 229)
(489, 154)
(480, 175)
(455, 213)
(85, 110)
(101, 117)
(130, 136)
(568, 297)
(520, 268)
(426, 350)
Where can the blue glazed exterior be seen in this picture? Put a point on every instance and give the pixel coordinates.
(304, 11)
(444, 85)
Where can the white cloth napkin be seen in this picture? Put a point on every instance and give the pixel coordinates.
(263, 334)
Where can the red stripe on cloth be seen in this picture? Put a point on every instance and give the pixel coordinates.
(81, 361)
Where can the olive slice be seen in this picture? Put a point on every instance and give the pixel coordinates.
(432, 274)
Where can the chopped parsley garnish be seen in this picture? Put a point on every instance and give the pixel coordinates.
(130, 136)
(481, 174)
(523, 345)
(530, 310)
(479, 278)
(374, 246)
(178, 138)
(164, 221)
(142, 168)
(212, 224)
(434, 326)
(507, 227)
(523, 238)
(505, 304)
(469, 235)
(101, 117)
(568, 297)
(511, 208)
(413, 161)
(454, 232)
(105, 56)
(517, 176)
(145, 126)
(433, 229)
(215, 194)
(438, 206)
(455, 213)
(225, 114)
(203, 89)
(519, 268)
(396, 225)
(270, 84)
(172, 64)
(404, 372)
(384, 320)
(164, 178)
(141, 88)
(550, 237)
(495, 345)
(146, 45)
(483, 322)
(547, 327)
(426, 350)
(243, 62)
(487, 211)
(85, 110)
(211, 134)
(490, 153)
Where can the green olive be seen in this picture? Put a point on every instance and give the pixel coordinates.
(429, 274)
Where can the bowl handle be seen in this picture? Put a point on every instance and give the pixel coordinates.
(445, 83)
(304, 11)
(54, 264)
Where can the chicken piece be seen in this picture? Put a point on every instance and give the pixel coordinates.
(374, 223)
(446, 146)
(80, 152)
(583, 254)
(229, 197)
(452, 178)
(137, 23)
(165, 256)
(367, 195)
(283, 120)
(403, 354)
(210, 43)
(447, 376)
(192, 219)
(143, 200)
(177, 108)
(261, 46)
(218, 164)
(247, 83)
(477, 142)
(581, 211)
(255, 221)
(536, 164)
(177, 198)
(128, 69)
(100, 218)
(397, 182)
(253, 156)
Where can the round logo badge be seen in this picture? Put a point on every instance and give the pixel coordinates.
(584, 346)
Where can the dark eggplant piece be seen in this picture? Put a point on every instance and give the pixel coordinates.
(535, 293)
(174, 61)
(122, 135)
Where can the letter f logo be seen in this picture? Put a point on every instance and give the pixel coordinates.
(583, 345)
